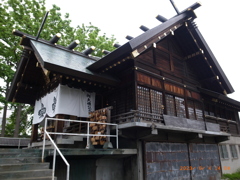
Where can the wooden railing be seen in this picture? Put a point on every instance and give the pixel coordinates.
(137, 116)
(228, 126)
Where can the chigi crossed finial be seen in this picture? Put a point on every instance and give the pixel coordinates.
(174, 6)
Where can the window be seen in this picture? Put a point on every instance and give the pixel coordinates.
(219, 111)
(150, 100)
(233, 150)
(143, 99)
(209, 109)
(195, 110)
(199, 111)
(170, 105)
(191, 112)
(223, 151)
(156, 102)
(175, 106)
(180, 107)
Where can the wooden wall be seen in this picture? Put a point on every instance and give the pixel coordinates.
(163, 69)
(123, 98)
(167, 59)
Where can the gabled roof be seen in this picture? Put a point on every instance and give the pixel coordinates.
(189, 38)
(60, 60)
(29, 77)
(65, 62)
(136, 45)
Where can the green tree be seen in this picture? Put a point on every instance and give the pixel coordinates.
(26, 16)
(24, 124)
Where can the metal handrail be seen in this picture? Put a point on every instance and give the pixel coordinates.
(54, 156)
(71, 134)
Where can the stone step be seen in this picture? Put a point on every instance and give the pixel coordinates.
(48, 144)
(74, 138)
(18, 150)
(20, 160)
(20, 154)
(25, 174)
(23, 167)
(36, 178)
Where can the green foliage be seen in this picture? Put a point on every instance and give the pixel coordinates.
(90, 36)
(25, 121)
(26, 16)
(233, 176)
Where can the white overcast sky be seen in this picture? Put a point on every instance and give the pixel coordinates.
(217, 21)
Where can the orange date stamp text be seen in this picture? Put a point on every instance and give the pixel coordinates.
(190, 168)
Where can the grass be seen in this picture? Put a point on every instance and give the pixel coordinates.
(233, 176)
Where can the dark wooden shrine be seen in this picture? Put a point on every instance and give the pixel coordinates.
(167, 91)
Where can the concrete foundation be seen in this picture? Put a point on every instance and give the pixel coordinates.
(230, 164)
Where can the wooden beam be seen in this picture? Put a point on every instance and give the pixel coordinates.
(193, 7)
(194, 136)
(210, 79)
(190, 56)
(223, 138)
(147, 133)
(174, 6)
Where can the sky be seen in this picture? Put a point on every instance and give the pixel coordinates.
(217, 21)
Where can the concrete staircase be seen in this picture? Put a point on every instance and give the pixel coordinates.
(61, 141)
(23, 164)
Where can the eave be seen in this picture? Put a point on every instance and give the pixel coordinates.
(220, 97)
(32, 74)
(64, 62)
(212, 60)
(139, 44)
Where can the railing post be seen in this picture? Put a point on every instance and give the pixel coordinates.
(117, 136)
(108, 127)
(88, 146)
(68, 172)
(19, 143)
(44, 139)
(54, 163)
(64, 159)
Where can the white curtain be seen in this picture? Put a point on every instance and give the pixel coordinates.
(64, 100)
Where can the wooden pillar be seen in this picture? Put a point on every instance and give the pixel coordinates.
(140, 160)
(34, 135)
(108, 121)
(58, 125)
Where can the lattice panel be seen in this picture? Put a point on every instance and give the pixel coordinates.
(191, 112)
(180, 107)
(199, 112)
(170, 105)
(143, 99)
(233, 128)
(156, 102)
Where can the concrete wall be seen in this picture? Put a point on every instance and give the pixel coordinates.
(109, 169)
(98, 168)
(80, 169)
(231, 164)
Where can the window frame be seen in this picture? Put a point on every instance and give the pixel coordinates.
(175, 108)
(148, 93)
(223, 151)
(233, 151)
(196, 110)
